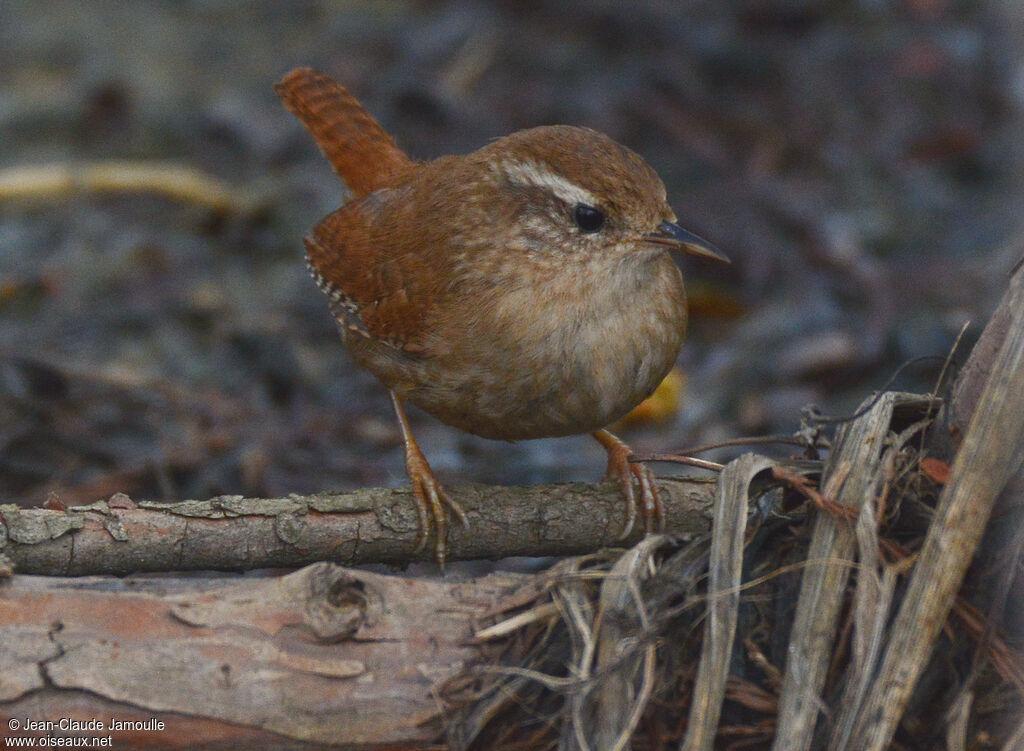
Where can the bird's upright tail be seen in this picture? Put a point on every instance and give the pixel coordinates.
(359, 149)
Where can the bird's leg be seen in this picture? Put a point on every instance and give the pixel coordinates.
(623, 471)
(428, 493)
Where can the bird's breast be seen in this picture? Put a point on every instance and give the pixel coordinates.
(568, 356)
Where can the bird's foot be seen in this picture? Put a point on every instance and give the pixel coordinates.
(429, 494)
(624, 472)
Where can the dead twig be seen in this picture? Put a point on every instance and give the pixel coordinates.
(176, 181)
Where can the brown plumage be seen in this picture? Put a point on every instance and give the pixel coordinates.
(521, 291)
(361, 152)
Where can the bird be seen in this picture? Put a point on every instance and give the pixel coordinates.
(524, 290)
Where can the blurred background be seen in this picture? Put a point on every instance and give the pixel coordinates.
(860, 162)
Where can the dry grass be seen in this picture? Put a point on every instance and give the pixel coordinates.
(827, 609)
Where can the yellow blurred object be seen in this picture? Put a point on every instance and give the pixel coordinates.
(661, 405)
(181, 182)
(712, 301)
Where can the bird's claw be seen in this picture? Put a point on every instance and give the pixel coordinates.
(623, 472)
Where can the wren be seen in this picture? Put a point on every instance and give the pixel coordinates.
(525, 290)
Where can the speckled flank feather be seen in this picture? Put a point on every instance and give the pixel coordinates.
(343, 307)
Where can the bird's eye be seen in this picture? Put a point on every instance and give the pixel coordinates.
(587, 218)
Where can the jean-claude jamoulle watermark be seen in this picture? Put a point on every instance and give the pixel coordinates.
(94, 725)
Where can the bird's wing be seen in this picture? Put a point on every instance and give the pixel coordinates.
(380, 283)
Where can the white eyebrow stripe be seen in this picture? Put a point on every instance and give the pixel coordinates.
(539, 176)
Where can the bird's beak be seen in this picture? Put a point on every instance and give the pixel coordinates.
(674, 236)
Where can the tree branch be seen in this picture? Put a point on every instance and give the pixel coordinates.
(376, 525)
(315, 657)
